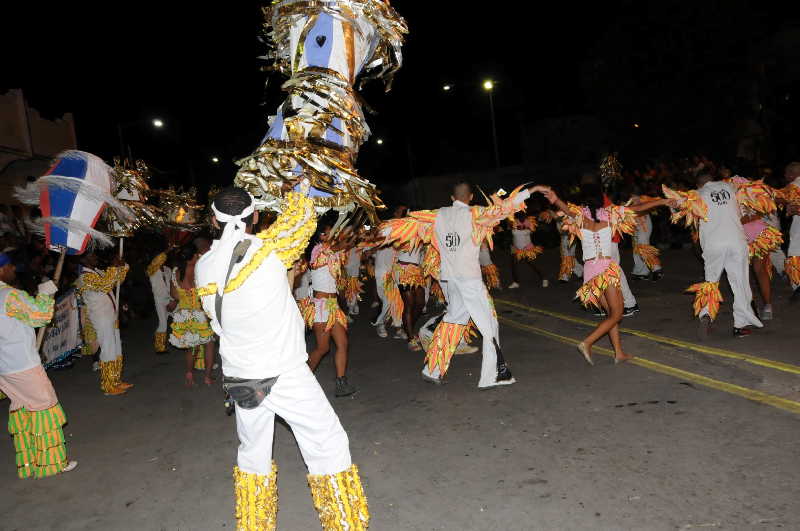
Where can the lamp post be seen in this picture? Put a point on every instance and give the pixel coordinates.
(488, 86)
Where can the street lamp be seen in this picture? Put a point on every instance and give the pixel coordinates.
(215, 160)
(446, 87)
(488, 86)
(379, 141)
(157, 123)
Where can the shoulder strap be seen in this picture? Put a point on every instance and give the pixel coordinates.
(238, 253)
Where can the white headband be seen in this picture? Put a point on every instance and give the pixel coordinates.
(232, 234)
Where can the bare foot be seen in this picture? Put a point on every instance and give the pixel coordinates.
(622, 358)
(586, 351)
(189, 379)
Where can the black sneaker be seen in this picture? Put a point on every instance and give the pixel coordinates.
(741, 332)
(343, 388)
(704, 328)
(655, 276)
(630, 311)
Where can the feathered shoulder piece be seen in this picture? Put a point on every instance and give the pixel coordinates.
(485, 219)
(409, 232)
(572, 221)
(755, 195)
(621, 219)
(691, 207)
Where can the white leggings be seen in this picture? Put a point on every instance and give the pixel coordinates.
(299, 400)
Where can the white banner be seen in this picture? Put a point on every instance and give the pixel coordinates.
(62, 337)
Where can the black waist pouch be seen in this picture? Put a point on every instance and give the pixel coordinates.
(248, 394)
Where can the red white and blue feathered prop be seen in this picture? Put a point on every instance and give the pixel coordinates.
(72, 195)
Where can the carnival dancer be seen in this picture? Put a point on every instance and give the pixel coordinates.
(715, 209)
(97, 290)
(570, 265)
(245, 291)
(325, 266)
(35, 415)
(411, 283)
(595, 225)
(491, 275)
(190, 330)
(391, 302)
(350, 283)
(522, 247)
(160, 275)
(790, 195)
(646, 262)
(457, 232)
(762, 238)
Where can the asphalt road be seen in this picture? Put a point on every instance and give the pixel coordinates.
(569, 447)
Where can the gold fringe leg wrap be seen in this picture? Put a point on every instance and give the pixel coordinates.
(566, 268)
(491, 276)
(649, 254)
(707, 295)
(199, 357)
(256, 500)
(591, 291)
(108, 381)
(48, 439)
(792, 266)
(306, 307)
(443, 345)
(335, 314)
(767, 241)
(340, 501)
(19, 426)
(160, 342)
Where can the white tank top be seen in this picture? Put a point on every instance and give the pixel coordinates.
(322, 280)
(596, 243)
(485, 257)
(410, 258)
(353, 265)
(522, 238)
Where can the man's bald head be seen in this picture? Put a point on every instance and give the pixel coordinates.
(462, 192)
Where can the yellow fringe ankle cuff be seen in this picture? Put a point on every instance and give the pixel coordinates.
(792, 266)
(707, 295)
(566, 268)
(256, 500)
(443, 345)
(491, 276)
(160, 342)
(340, 500)
(649, 254)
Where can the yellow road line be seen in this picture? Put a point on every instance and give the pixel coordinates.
(755, 360)
(745, 392)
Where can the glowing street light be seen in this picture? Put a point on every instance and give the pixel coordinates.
(215, 160)
(158, 123)
(636, 126)
(446, 87)
(488, 85)
(379, 141)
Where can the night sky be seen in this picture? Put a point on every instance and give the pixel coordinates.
(197, 69)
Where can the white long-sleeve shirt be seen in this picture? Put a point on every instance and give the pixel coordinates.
(262, 333)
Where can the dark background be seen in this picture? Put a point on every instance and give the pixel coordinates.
(690, 72)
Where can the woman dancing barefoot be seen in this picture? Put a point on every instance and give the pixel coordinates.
(595, 225)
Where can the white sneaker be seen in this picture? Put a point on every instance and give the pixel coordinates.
(766, 313)
(354, 310)
(513, 285)
(382, 331)
(545, 283)
(400, 334)
(96, 366)
(499, 383)
(72, 465)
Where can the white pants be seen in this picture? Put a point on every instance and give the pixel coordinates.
(627, 294)
(642, 237)
(379, 276)
(794, 240)
(299, 400)
(107, 335)
(735, 261)
(161, 312)
(469, 299)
